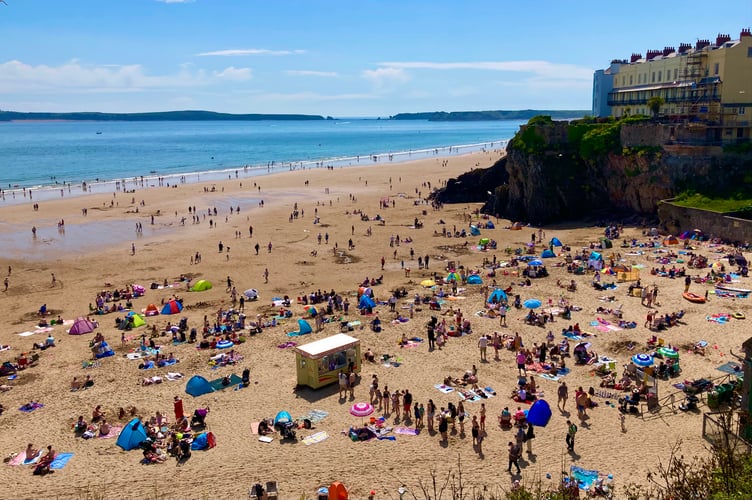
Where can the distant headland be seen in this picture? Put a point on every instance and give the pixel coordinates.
(151, 117)
(191, 115)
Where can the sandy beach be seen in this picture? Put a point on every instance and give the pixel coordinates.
(94, 252)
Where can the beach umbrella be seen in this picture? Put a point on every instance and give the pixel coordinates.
(535, 262)
(667, 352)
(428, 283)
(532, 303)
(251, 294)
(361, 410)
(643, 360)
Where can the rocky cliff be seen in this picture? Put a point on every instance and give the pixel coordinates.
(558, 171)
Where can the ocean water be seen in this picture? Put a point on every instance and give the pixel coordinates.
(42, 155)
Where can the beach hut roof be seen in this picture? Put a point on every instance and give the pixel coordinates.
(321, 348)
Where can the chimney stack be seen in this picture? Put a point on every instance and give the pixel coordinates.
(668, 50)
(745, 32)
(701, 44)
(684, 47)
(635, 57)
(721, 39)
(652, 54)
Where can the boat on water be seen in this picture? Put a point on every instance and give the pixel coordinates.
(693, 297)
(99, 133)
(727, 288)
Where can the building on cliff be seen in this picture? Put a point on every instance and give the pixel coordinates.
(707, 85)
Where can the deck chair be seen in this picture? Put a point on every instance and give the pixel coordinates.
(271, 490)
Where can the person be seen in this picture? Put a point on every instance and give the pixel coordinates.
(31, 452)
(529, 436)
(80, 425)
(75, 384)
(475, 430)
(264, 429)
(483, 418)
(97, 414)
(443, 425)
(514, 457)
(483, 345)
(563, 393)
(571, 431)
(104, 428)
(369, 356)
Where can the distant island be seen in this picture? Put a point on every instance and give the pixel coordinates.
(150, 117)
(467, 116)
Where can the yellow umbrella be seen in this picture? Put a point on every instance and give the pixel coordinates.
(428, 283)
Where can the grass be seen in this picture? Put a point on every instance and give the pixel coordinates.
(722, 205)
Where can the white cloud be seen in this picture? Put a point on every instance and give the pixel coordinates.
(541, 68)
(74, 76)
(305, 72)
(387, 76)
(234, 74)
(251, 52)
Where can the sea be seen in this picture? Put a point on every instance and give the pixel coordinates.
(105, 156)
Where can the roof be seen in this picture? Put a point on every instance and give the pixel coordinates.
(326, 346)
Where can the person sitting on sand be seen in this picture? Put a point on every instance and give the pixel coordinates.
(75, 384)
(264, 428)
(80, 425)
(31, 452)
(104, 428)
(97, 414)
(369, 355)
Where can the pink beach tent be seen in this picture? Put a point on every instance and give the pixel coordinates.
(81, 326)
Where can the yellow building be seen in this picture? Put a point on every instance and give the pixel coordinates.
(709, 84)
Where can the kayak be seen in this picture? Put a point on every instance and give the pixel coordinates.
(693, 297)
(734, 289)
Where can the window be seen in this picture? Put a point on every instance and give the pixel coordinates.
(653, 79)
(749, 51)
(659, 75)
(716, 67)
(740, 111)
(630, 79)
(676, 73)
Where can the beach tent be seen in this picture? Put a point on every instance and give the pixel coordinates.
(366, 301)
(474, 279)
(201, 285)
(497, 296)
(197, 386)
(547, 254)
(172, 307)
(453, 276)
(134, 319)
(555, 242)
(606, 243)
(490, 225)
(595, 261)
(204, 441)
(535, 263)
(484, 241)
(539, 413)
(132, 435)
(151, 310)
(365, 290)
(303, 328)
(81, 326)
(516, 226)
(282, 417)
(337, 491)
(670, 240)
(251, 294)
(474, 230)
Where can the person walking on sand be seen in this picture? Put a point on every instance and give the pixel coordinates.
(483, 345)
(266, 275)
(563, 393)
(6, 282)
(571, 431)
(514, 457)
(133, 249)
(54, 280)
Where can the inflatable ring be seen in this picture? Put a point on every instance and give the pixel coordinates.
(224, 344)
(738, 315)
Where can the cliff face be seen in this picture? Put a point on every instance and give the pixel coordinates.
(559, 171)
(473, 186)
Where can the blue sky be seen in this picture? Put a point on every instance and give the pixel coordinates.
(331, 57)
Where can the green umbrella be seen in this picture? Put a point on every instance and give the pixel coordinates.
(667, 352)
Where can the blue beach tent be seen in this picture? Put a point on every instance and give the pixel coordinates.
(303, 328)
(366, 301)
(547, 254)
(197, 386)
(555, 242)
(490, 225)
(132, 435)
(474, 279)
(282, 416)
(497, 296)
(474, 231)
(539, 413)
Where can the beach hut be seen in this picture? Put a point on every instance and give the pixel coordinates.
(132, 435)
(81, 326)
(201, 286)
(319, 363)
(172, 307)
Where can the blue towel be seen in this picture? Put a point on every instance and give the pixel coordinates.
(585, 478)
(60, 460)
(29, 409)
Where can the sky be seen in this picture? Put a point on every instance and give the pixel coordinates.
(330, 57)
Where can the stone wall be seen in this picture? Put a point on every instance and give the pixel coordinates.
(675, 219)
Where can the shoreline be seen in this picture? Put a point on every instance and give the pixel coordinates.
(18, 194)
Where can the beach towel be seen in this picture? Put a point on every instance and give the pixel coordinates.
(585, 478)
(114, 432)
(572, 336)
(315, 438)
(254, 428)
(732, 368)
(25, 334)
(234, 380)
(173, 376)
(30, 407)
(467, 395)
(410, 343)
(444, 388)
(315, 416)
(61, 460)
(133, 355)
(407, 431)
(21, 459)
(266, 439)
(548, 376)
(285, 345)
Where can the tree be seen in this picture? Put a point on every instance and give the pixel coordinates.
(655, 103)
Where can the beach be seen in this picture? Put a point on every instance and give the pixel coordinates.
(100, 249)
